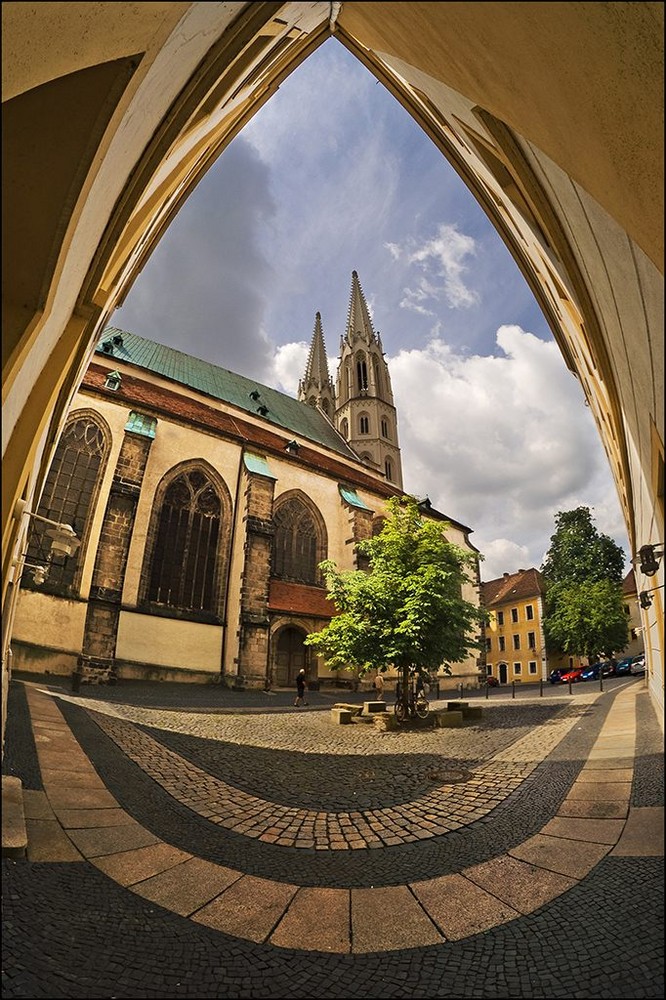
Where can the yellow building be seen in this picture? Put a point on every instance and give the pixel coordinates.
(515, 641)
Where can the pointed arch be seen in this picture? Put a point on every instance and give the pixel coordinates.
(300, 541)
(187, 552)
(70, 496)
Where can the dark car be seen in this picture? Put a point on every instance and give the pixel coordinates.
(592, 672)
(555, 676)
(623, 668)
(608, 668)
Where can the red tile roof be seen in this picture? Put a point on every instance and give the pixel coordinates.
(512, 587)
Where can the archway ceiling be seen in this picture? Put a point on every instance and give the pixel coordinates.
(552, 113)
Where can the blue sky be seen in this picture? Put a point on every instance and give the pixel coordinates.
(331, 176)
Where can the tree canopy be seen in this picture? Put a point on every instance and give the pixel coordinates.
(584, 606)
(579, 552)
(407, 610)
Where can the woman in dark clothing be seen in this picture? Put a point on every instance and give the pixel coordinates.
(300, 689)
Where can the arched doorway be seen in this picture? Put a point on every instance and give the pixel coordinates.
(290, 656)
(502, 671)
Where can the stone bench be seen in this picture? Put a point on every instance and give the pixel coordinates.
(341, 716)
(448, 720)
(354, 709)
(468, 711)
(371, 707)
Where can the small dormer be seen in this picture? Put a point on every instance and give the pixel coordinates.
(112, 381)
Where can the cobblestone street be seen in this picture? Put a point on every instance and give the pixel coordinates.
(244, 848)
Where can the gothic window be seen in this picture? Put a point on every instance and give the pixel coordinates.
(385, 429)
(344, 429)
(362, 374)
(69, 493)
(185, 551)
(298, 546)
(388, 470)
(364, 425)
(377, 376)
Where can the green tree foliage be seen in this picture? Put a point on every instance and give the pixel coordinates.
(586, 619)
(579, 553)
(583, 570)
(407, 611)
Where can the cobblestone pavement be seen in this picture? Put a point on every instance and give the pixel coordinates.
(232, 846)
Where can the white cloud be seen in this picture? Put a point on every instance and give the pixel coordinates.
(442, 261)
(499, 443)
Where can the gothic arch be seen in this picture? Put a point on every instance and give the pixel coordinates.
(70, 496)
(186, 558)
(300, 542)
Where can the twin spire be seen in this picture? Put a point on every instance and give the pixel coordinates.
(360, 404)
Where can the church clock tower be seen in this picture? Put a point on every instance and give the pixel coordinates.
(364, 411)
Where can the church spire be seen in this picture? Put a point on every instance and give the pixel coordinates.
(359, 324)
(316, 386)
(364, 410)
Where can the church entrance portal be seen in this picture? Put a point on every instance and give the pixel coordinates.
(290, 656)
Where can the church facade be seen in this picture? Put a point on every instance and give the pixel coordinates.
(204, 503)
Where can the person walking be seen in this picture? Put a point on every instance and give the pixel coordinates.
(379, 687)
(300, 689)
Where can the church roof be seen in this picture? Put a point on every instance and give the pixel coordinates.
(245, 393)
(358, 317)
(316, 370)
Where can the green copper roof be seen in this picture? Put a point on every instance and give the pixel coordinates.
(258, 464)
(275, 407)
(352, 498)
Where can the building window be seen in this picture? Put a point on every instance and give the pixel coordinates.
(385, 430)
(502, 644)
(388, 469)
(298, 545)
(185, 553)
(517, 669)
(69, 493)
(516, 642)
(500, 617)
(364, 425)
(362, 375)
(489, 643)
(532, 667)
(344, 429)
(489, 669)
(514, 614)
(531, 640)
(571, 663)
(529, 611)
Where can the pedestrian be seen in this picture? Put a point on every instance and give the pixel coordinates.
(300, 689)
(379, 687)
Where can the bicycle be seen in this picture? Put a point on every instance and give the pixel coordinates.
(418, 705)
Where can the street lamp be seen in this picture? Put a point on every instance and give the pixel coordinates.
(649, 557)
(64, 540)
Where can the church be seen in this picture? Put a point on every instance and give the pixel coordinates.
(204, 503)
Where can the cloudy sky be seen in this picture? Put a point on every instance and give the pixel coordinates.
(332, 176)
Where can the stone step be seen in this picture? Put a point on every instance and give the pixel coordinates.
(14, 834)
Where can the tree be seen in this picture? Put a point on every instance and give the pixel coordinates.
(407, 610)
(583, 569)
(579, 553)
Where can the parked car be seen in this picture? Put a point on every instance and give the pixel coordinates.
(491, 681)
(623, 667)
(608, 668)
(555, 676)
(592, 672)
(638, 664)
(572, 676)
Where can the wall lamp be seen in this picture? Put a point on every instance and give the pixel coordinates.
(645, 599)
(292, 447)
(64, 540)
(649, 557)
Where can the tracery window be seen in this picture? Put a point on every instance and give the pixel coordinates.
(385, 428)
(363, 425)
(388, 469)
(185, 551)
(71, 487)
(362, 374)
(297, 544)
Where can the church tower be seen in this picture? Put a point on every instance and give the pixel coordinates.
(316, 386)
(364, 410)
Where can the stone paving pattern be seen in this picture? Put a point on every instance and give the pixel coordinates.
(169, 853)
